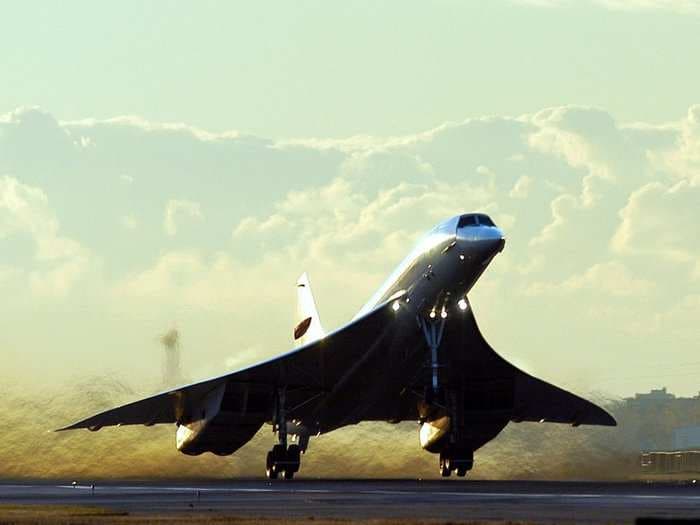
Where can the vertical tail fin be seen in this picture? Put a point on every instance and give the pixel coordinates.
(308, 328)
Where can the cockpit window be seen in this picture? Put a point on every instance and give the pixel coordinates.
(485, 220)
(467, 220)
(475, 219)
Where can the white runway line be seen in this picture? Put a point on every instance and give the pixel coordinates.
(291, 490)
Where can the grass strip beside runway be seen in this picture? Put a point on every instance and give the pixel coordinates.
(80, 515)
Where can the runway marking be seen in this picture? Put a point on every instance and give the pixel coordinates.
(347, 491)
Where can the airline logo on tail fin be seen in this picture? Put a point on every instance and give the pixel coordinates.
(309, 327)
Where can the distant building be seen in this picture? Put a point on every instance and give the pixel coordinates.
(660, 414)
(661, 398)
(654, 396)
(681, 462)
(669, 440)
(686, 438)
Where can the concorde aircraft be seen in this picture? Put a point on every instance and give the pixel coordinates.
(413, 353)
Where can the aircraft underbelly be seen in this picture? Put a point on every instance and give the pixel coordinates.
(390, 383)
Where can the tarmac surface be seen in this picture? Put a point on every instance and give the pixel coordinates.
(541, 502)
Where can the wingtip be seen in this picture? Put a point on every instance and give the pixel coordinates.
(63, 429)
(603, 418)
(611, 421)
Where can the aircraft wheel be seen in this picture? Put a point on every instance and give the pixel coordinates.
(444, 468)
(294, 457)
(288, 474)
(462, 471)
(278, 453)
(270, 466)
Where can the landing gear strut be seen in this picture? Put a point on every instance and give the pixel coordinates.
(432, 331)
(455, 457)
(282, 459)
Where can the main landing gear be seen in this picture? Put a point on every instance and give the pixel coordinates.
(282, 459)
(452, 461)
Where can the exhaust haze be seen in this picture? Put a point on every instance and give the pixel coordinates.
(526, 451)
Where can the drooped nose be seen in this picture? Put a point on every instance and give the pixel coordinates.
(481, 241)
(479, 237)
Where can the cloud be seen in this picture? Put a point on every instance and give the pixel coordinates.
(661, 220)
(175, 210)
(612, 278)
(581, 197)
(57, 261)
(521, 188)
(560, 207)
(682, 159)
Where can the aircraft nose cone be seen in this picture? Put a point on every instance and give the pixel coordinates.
(490, 243)
(481, 242)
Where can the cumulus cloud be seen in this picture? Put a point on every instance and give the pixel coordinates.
(58, 261)
(521, 188)
(585, 202)
(683, 158)
(661, 220)
(176, 210)
(612, 278)
(559, 207)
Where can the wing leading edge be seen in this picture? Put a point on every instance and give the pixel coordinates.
(302, 368)
(532, 399)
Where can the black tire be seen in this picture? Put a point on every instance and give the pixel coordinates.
(462, 471)
(444, 469)
(294, 457)
(270, 465)
(288, 474)
(271, 472)
(279, 453)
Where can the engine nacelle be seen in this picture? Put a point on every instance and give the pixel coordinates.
(432, 433)
(200, 415)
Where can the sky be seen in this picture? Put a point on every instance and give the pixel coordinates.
(179, 165)
(334, 69)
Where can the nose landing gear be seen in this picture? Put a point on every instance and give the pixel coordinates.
(456, 457)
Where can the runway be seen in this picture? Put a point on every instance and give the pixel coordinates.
(540, 502)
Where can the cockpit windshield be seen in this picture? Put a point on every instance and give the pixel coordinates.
(475, 219)
(467, 220)
(485, 220)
